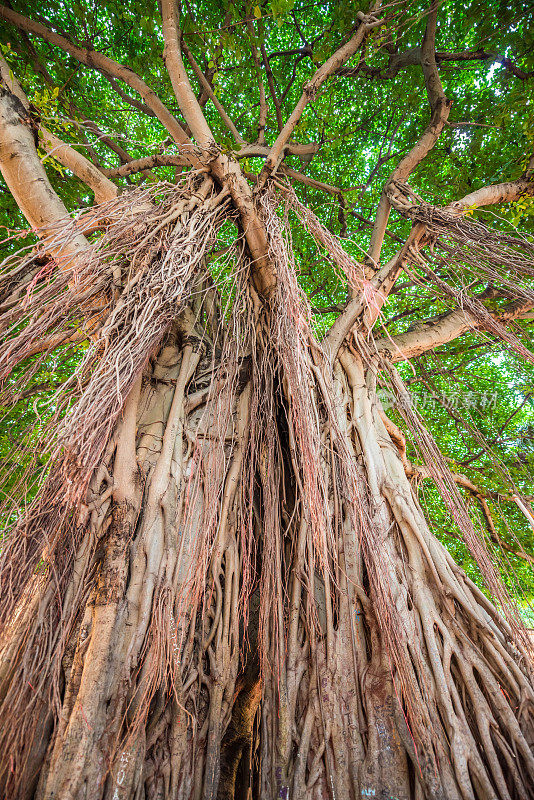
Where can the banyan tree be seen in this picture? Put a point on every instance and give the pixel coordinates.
(247, 227)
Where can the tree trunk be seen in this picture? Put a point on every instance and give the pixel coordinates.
(249, 602)
(406, 665)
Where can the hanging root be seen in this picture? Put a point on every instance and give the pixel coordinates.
(216, 487)
(324, 465)
(373, 600)
(159, 276)
(141, 276)
(466, 240)
(474, 539)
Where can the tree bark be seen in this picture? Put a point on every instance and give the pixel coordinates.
(226, 587)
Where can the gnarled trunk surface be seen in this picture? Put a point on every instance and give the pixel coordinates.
(247, 601)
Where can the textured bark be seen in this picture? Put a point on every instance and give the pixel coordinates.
(233, 593)
(160, 694)
(138, 624)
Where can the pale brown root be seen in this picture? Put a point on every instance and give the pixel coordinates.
(248, 575)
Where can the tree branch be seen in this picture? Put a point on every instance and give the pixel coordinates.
(132, 101)
(226, 170)
(96, 60)
(272, 87)
(440, 108)
(172, 55)
(302, 151)
(148, 162)
(431, 334)
(47, 344)
(311, 89)
(26, 178)
(476, 492)
(412, 58)
(262, 122)
(206, 87)
(88, 173)
(508, 192)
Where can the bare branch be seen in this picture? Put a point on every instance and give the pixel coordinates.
(508, 192)
(48, 343)
(312, 87)
(480, 496)
(87, 172)
(103, 188)
(440, 107)
(101, 136)
(132, 101)
(25, 175)
(369, 224)
(262, 122)
(142, 164)
(206, 87)
(431, 334)
(303, 151)
(272, 87)
(312, 182)
(172, 55)
(411, 58)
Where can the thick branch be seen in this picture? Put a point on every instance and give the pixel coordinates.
(148, 162)
(87, 172)
(92, 58)
(172, 55)
(303, 151)
(26, 178)
(412, 58)
(226, 170)
(262, 122)
(508, 192)
(206, 87)
(272, 87)
(429, 335)
(103, 188)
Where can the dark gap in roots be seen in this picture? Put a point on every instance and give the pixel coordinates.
(335, 608)
(478, 790)
(289, 486)
(508, 777)
(411, 777)
(239, 762)
(442, 722)
(239, 772)
(464, 697)
(366, 628)
(439, 638)
(418, 677)
(238, 745)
